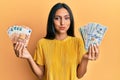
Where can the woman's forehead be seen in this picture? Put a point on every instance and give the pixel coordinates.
(61, 11)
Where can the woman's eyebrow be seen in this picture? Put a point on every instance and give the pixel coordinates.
(67, 15)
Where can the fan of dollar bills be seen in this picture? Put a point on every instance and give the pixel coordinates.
(19, 33)
(92, 33)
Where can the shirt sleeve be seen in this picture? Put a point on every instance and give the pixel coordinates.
(38, 55)
(81, 50)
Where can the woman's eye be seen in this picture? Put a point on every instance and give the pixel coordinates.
(56, 18)
(59, 18)
(66, 18)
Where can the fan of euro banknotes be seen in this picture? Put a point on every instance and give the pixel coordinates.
(92, 33)
(19, 34)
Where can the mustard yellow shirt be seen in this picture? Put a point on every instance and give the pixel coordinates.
(60, 57)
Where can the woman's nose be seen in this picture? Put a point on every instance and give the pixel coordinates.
(62, 22)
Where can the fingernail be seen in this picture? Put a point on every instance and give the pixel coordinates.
(92, 45)
(96, 44)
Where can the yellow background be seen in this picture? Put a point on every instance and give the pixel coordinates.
(34, 13)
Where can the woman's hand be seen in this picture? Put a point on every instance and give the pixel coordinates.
(21, 51)
(92, 53)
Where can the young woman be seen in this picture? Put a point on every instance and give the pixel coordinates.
(59, 55)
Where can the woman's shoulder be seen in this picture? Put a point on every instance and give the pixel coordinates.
(76, 38)
(42, 40)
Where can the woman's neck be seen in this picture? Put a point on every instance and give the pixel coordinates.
(60, 36)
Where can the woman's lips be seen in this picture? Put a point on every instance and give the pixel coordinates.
(61, 28)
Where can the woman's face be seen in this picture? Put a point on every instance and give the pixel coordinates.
(62, 21)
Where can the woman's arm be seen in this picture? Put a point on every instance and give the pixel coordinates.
(37, 69)
(92, 54)
(22, 52)
(82, 68)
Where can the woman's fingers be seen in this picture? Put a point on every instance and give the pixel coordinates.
(19, 49)
(96, 48)
(15, 49)
(93, 52)
(89, 53)
(15, 45)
